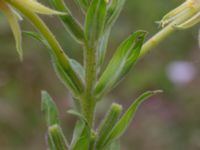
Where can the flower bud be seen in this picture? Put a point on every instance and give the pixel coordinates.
(184, 16)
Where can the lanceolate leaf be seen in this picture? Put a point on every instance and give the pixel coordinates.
(50, 110)
(84, 4)
(65, 78)
(122, 61)
(57, 138)
(80, 125)
(38, 37)
(64, 75)
(94, 22)
(83, 141)
(78, 68)
(106, 126)
(77, 114)
(81, 137)
(102, 47)
(128, 116)
(50, 143)
(69, 79)
(113, 12)
(69, 22)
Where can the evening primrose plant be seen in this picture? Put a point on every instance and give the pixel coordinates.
(89, 83)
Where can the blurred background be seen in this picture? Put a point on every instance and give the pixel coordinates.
(168, 121)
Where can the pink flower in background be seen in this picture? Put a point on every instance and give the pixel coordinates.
(181, 72)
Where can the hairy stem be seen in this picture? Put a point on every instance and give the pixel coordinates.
(90, 70)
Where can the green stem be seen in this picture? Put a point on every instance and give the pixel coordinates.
(44, 30)
(90, 67)
(156, 39)
(90, 70)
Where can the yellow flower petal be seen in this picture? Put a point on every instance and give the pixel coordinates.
(191, 22)
(39, 8)
(172, 15)
(14, 24)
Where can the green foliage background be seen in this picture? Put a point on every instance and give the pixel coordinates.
(169, 121)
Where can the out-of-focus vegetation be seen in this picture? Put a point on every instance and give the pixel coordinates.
(169, 121)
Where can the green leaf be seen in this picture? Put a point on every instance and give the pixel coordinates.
(64, 77)
(107, 124)
(113, 12)
(102, 47)
(83, 141)
(78, 130)
(78, 68)
(94, 23)
(50, 110)
(50, 144)
(38, 37)
(71, 82)
(67, 78)
(57, 52)
(121, 62)
(81, 135)
(92, 140)
(57, 138)
(77, 114)
(59, 5)
(70, 23)
(128, 116)
(83, 4)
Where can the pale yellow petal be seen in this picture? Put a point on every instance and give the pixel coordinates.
(190, 22)
(14, 24)
(174, 14)
(39, 8)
